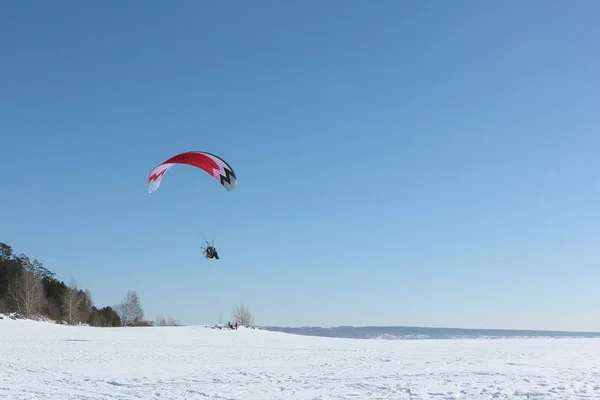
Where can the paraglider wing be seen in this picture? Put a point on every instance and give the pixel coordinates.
(215, 166)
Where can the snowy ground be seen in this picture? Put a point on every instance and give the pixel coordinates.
(40, 360)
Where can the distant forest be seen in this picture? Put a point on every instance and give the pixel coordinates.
(32, 291)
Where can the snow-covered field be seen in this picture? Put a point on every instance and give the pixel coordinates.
(40, 360)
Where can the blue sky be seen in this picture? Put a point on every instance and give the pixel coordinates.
(399, 163)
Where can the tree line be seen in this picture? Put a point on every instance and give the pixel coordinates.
(28, 288)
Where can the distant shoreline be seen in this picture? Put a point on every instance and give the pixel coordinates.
(408, 332)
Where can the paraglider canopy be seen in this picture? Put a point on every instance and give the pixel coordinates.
(212, 164)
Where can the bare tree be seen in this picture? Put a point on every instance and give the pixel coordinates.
(169, 321)
(160, 320)
(85, 306)
(130, 310)
(242, 316)
(27, 292)
(134, 306)
(71, 301)
(15, 292)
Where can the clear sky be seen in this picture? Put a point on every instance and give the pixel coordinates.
(398, 162)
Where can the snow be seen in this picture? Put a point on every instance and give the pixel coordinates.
(43, 360)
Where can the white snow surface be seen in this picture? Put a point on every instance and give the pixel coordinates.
(42, 360)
